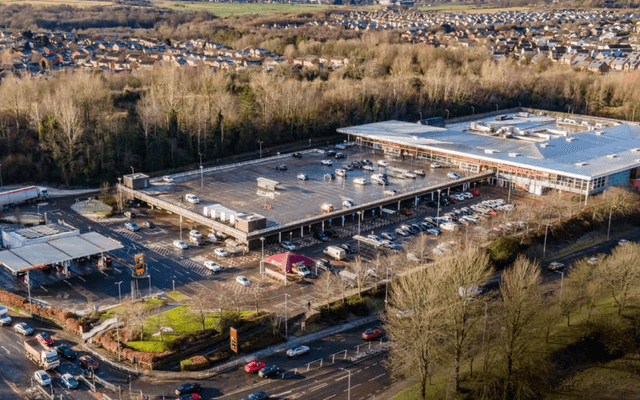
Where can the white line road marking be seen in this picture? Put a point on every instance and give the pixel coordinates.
(342, 377)
(67, 282)
(366, 367)
(330, 397)
(5, 349)
(155, 269)
(13, 346)
(79, 277)
(353, 387)
(42, 287)
(119, 271)
(376, 377)
(283, 393)
(318, 387)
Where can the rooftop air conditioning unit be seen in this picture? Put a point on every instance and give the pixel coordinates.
(544, 145)
(612, 155)
(570, 139)
(581, 164)
(514, 154)
(490, 151)
(599, 133)
(636, 149)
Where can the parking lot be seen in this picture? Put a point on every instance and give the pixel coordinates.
(235, 188)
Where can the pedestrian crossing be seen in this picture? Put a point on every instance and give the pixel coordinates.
(160, 249)
(195, 267)
(128, 234)
(104, 222)
(233, 286)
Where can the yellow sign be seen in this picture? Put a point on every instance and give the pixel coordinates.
(233, 342)
(139, 261)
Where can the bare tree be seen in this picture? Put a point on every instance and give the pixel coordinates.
(620, 272)
(518, 306)
(361, 271)
(328, 286)
(201, 302)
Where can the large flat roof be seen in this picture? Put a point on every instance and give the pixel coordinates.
(57, 250)
(578, 146)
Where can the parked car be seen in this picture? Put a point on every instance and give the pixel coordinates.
(436, 165)
(371, 334)
(179, 244)
(406, 211)
(42, 378)
(243, 280)
(195, 233)
(270, 371)
(390, 192)
(188, 388)
(189, 396)
(330, 233)
(168, 179)
(303, 177)
(326, 207)
(213, 266)
(327, 163)
(320, 236)
(434, 231)
(66, 352)
(129, 214)
(148, 224)
(383, 164)
(402, 232)
(623, 242)
(419, 172)
(86, 362)
(281, 167)
(382, 182)
(368, 167)
(220, 252)
(348, 248)
(555, 266)
(331, 153)
(192, 198)
(388, 236)
(593, 260)
(298, 351)
(324, 265)
(297, 155)
(374, 237)
(254, 366)
(339, 156)
(288, 245)
(44, 339)
(23, 329)
(69, 381)
(257, 396)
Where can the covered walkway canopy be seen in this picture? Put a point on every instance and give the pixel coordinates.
(287, 260)
(38, 255)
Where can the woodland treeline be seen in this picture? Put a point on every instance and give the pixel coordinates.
(85, 128)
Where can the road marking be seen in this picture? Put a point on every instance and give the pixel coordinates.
(119, 271)
(376, 377)
(67, 282)
(366, 367)
(330, 397)
(283, 393)
(342, 377)
(318, 387)
(14, 346)
(353, 387)
(42, 287)
(155, 269)
(5, 349)
(79, 277)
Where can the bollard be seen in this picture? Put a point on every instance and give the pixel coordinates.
(369, 345)
(333, 358)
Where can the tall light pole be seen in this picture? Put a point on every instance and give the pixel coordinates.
(119, 292)
(473, 110)
(609, 227)
(260, 141)
(28, 279)
(348, 384)
(0, 175)
(149, 285)
(118, 333)
(359, 230)
(438, 216)
(201, 172)
(133, 171)
(544, 246)
(173, 282)
(447, 113)
(286, 327)
(561, 285)
(262, 261)
(510, 183)
(386, 289)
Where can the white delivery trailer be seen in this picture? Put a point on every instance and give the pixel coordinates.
(5, 319)
(23, 195)
(336, 252)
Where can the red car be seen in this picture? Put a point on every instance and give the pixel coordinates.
(44, 339)
(254, 366)
(189, 396)
(371, 334)
(406, 212)
(86, 362)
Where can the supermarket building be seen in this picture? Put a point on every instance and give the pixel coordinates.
(532, 150)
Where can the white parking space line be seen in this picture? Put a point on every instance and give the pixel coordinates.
(81, 278)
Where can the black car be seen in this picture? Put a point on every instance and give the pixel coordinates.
(188, 388)
(257, 396)
(324, 265)
(331, 153)
(320, 236)
(339, 156)
(66, 352)
(444, 202)
(330, 232)
(148, 224)
(270, 371)
(297, 155)
(281, 167)
(348, 248)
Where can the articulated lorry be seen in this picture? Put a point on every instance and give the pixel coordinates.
(47, 359)
(24, 195)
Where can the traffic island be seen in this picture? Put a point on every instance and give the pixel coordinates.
(92, 208)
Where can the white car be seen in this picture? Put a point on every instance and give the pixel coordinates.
(391, 192)
(195, 234)
(298, 351)
(303, 177)
(436, 165)
(220, 252)
(449, 226)
(179, 244)
(288, 245)
(243, 280)
(410, 175)
(168, 179)
(213, 266)
(383, 164)
(555, 265)
(622, 242)
(419, 172)
(453, 175)
(42, 378)
(348, 204)
(327, 163)
(368, 167)
(359, 181)
(192, 198)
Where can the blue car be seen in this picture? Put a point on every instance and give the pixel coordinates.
(69, 381)
(257, 396)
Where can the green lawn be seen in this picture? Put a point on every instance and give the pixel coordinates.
(149, 346)
(176, 296)
(228, 9)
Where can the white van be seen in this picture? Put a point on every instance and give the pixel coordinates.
(192, 198)
(5, 319)
(383, 163)
(335, 252)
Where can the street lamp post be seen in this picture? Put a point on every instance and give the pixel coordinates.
(348, 384)
(509, 197)
(438, 216)
(561, 285)
(201, 172)
(386, 289)
(262, 261)
(286, 326)
(447, 113)
(260, 142)
(609, 226)
(359, 230)
(119, 292)
(544, 246)
(118, 334)
(473, 110)
(133, 171)
(149, 285)
(173, 283)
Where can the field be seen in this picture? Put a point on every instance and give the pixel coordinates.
(228, 9)
(470, 8)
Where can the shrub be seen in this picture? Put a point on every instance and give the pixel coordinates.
(194, 363)
(358, 306)
(503, 250)
(219, 356)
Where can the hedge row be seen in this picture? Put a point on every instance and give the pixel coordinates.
(194, 363)
(62, 318)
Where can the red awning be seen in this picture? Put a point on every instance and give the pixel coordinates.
(287, 260)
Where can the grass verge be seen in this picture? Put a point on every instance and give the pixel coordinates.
(228, 9)
(177, 296)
